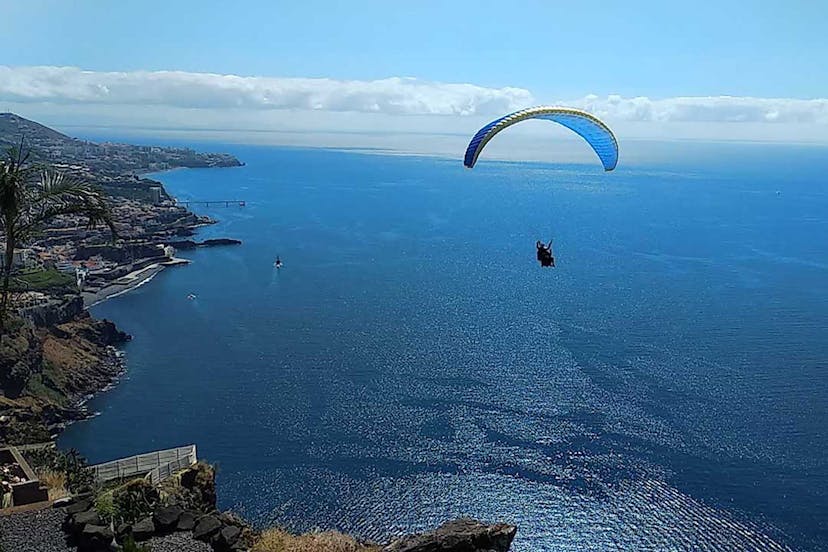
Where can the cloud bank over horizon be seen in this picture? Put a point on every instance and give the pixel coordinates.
(391, 96)
(396, 105)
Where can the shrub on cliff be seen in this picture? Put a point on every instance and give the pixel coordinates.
(70, 463)
(193, 488)
(55, 482)
(277, 540)
(17, 432)
(128, 503)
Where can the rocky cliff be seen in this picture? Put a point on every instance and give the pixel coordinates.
(55, 311)
(45, 373)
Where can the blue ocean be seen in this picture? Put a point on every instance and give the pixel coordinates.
(664, 388)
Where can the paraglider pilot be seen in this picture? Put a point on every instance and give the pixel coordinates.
(545, 254)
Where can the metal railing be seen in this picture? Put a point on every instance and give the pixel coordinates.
(155, 466)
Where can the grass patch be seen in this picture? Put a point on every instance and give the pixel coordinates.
(49, 384)
(55, 481)
(39, 385)
(277, 540)
(127, 502)
(38, 280)
(105, 506)
(78, 477)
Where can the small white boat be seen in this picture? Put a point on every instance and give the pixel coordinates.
(191, 296)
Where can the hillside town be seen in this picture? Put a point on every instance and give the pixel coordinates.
(114, 167)
(70, 258)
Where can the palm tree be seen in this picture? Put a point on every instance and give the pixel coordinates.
(31, 197)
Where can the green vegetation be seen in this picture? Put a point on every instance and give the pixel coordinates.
(105, 506)
(39, 280)
(131, 546)
(23, 432)
(46, 384)
(126, 502)
(193, 488)
(37, 388)
(78, 475)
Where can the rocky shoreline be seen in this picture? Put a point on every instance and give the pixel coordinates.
(49, 371)
(69, 367)
(52, 372)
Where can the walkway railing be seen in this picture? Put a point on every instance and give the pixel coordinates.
(154, 466)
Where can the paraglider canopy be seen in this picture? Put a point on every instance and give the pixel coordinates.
(588, 126)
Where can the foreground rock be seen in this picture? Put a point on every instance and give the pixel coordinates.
(166, 519)
(183, 505)
(461, 535)
(206, 528)
(141, 531)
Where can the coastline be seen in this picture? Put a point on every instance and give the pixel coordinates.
(138, 278)
(81, 352)
(78, 410)
(131, 281)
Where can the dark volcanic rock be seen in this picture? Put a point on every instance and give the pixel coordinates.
(57, 311)
(183, 244)
(220, 241)
(186, 522)
(461, 535)
(144, 529)
(89, 517)
(123, 531)
(167, 518)
(200, 479)
(95, 537)
(21, 357)
(206, 528)
(79, 506)
(227, 537)
(190, 244)
(101, 332)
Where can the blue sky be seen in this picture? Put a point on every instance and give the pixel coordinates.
(550, 51)
(653, 48)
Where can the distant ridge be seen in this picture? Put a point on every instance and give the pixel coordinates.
(13, 128)
(115, 167)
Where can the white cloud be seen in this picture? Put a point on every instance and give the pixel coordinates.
(708, 109)
(391, 96)
(400, 113)
(395, 96)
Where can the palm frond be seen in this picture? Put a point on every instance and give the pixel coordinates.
(57, 193)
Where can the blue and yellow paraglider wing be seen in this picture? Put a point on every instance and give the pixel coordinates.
(589, 127)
